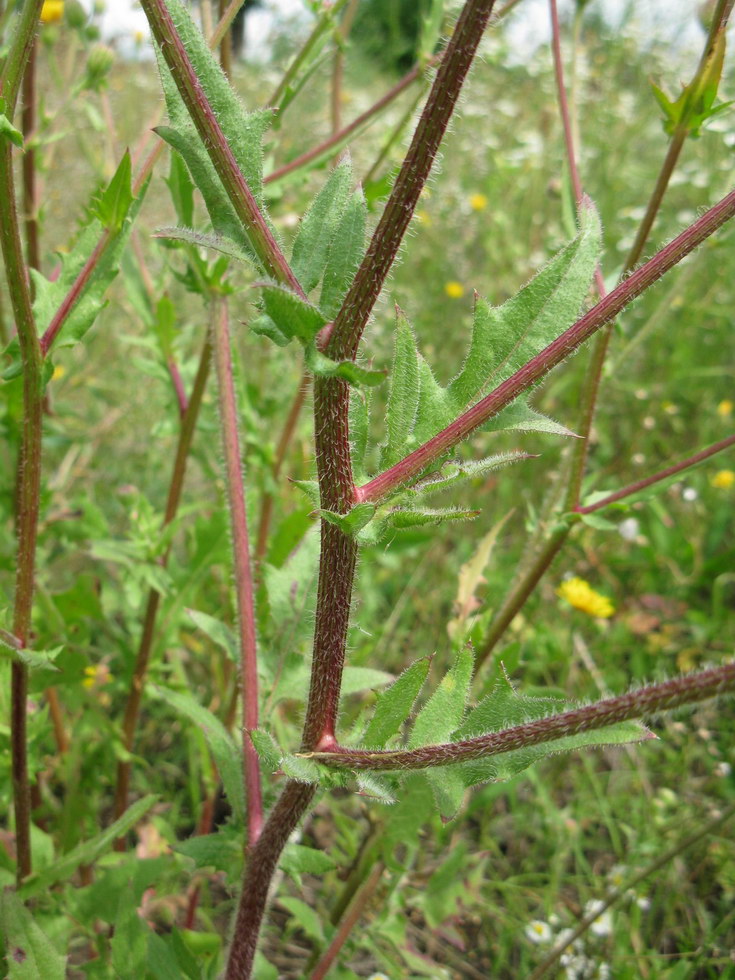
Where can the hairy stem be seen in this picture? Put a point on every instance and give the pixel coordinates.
(214, 141)
(145, 647)
(260, 866)
(368, 282)
(241, 561)
(674, 693)
(30, 215)
(539, 366)
(29, 469)
(664, 474)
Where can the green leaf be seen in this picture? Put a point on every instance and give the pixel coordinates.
(421, 517)
(88, 851)
(295, 685)
(444, 710)
(243, 131)
(114, 203)
(269, 751)
(503, 339)
(90, 301)
(8, 131)
(221, 850)
(347, 370)
(217, 631)
(319, 226)
(201, 239)
(181, 189)
(292, 316)
(305, 917)
(504, 708)
(129, 946)
(33, 659)
(394, 705)
(354, 520)
(598, 522)
(29, 954)
(345, 254)
(469, 579)
(359, 428)
(403, 400)
(297, 859)
(227, 755)
(454, 472)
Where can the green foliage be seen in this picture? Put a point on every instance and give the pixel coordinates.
(28, 952)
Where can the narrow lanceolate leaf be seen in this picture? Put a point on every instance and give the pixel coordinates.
(349, 371)
(345, 254)
(29, 953)
(319, 226)
(114, 203)
(455, 472)
(470, 579)
(403, 399)
(244, 131)
(503, 339)
(91, 299)
(444, 711)
(394, 705)
(217, 243)
(217, 631)
(292, 315)
(87, 852)
(503, 708)
(226, 754)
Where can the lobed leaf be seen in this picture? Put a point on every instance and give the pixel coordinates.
(443, 712)
(394, 705)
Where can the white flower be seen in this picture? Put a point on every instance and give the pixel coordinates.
(723, 769)
(643, 903)
(538, 931)
(629, 528)
(689, 494)
(602, 926)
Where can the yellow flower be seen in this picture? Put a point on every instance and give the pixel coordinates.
(454, 290)
(59, 372)
(424, 219)
(478, 202)
(582, 596)
(52, 11)
(723, 480)
(724, 409)
(96, 676)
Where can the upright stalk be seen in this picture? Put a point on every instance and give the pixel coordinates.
(336, 485)
(241, 560)
(29, 470)
(145, 647)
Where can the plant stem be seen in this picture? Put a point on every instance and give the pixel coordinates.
(213, 139)
(241, 561)
(352, 917)
(673, 693)
(28, 163)
(368, 282)
(132, 707)
(341, 33)
(266, 511)
(29, 469)
(532, 372)
(649, 481)
(338, 138)
(225, 45)
(558, 951)
(260, 866)
(321, 26)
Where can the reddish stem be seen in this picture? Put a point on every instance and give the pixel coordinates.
(645, 701)
(538, 367)
(353, 915)
(649, 481)
(241, 561)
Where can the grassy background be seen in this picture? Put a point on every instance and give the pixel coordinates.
(457, 900)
